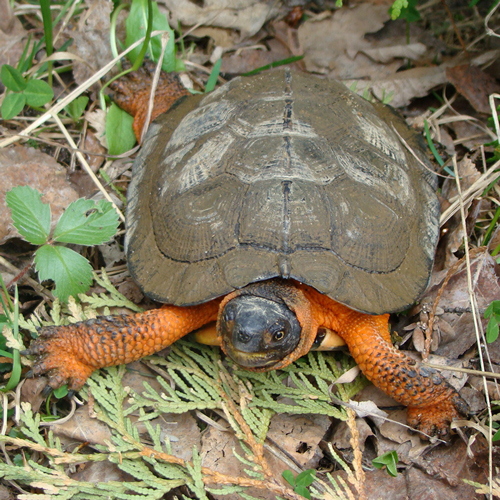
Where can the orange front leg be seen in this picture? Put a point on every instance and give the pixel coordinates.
(69, 354)
(432, 403)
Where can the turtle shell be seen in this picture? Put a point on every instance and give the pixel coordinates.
(282, 175)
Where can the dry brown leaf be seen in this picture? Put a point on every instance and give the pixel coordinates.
(91, 41)
(222, 37)
(474, 84)
(217, 453)
(101, 472)
(455, 297)
(386, 54)
(326, 42)
(439, 474)
(21, 166)
(84, 428)
(246, 16)
(96, 153)
(341, 439)
(247, 60)
(12, 35)
(298, 436)
(410, 445)
(405, 85)
(380, 486)
(469, 134)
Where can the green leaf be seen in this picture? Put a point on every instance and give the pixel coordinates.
(496, 436)
(214, 75)
(136, 28)
(61, 392)
(492, 330)
(86, 222)
(306, 478)
(289, 477)
(389, 460)
(71, 273)
(38, 93)
(119, 131)
(302, 491)
(493, 308)
(30, 216)
(397, 7)
(12, 105)
(12, 78)
(76, 108)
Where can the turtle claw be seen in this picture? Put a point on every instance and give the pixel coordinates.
(435, 420)
(56, 359)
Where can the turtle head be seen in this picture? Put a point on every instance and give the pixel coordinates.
(258, 332)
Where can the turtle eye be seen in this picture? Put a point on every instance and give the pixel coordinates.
(279, 335)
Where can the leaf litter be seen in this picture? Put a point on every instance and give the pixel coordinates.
(256, 426)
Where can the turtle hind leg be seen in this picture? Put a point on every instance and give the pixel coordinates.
(131, 93)
(69, 354)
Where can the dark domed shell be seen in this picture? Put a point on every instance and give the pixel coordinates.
(282, 174)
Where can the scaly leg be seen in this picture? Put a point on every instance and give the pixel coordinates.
(69, 354)
(432, 403)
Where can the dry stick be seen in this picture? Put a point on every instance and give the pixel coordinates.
(489, 31)
(156, 77)
(476, 325)
(478, 373)
(85, 165)
(450, 15)
(47, 295)
(451, 272)
(358, 456)
(472, 192)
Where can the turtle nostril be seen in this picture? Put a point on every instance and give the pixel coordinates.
(242, 337)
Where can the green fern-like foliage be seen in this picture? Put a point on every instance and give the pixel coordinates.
(193, 377)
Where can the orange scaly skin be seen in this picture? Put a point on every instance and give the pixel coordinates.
(432, 403)
(69, 354)
(131, 93)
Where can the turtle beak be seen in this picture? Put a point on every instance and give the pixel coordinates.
(258, 332)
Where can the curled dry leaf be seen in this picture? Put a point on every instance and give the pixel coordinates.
(405, 85)
(325, 42)
(453, 235)
(91, 41)
(12, 35)
(474, 84)
(295, 436)
(82, 427)
(456, 304)
(246, 16)
(21, 166)
(386, 54)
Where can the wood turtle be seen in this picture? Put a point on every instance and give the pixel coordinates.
(276, 205)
